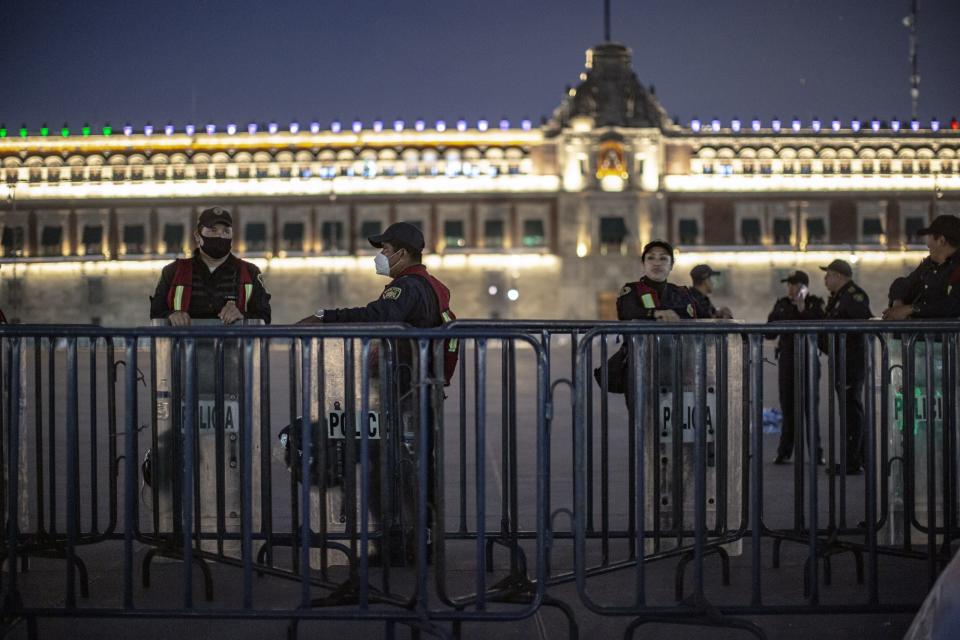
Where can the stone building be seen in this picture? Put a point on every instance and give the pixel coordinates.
(522, 221)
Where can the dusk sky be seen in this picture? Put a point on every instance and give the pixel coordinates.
(202, 61)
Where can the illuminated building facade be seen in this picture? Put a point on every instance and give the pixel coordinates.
(521, 221)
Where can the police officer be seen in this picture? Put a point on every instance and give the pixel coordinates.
(702, 277)
(932, 290)
(412, 296)
(798, 304)
(848, 302)
(214, 283)
(652, 297)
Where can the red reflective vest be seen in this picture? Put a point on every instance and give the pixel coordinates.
(451, 346)
(178, 296)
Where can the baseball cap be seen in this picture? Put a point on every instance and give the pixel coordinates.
(702, 272)
(797, 277)
(402, 232)
(663, 244)
(214, 216)
(840, 266)
(943, 225)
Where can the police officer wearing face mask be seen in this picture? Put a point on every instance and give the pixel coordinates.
(409, 297)
(214, 283)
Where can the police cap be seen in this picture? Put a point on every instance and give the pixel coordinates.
(214, 216)
(399, 232)
(840, 266)
(701, 272)
(944, 225)
(797, 277)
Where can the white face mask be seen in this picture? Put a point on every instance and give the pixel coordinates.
(382, 263)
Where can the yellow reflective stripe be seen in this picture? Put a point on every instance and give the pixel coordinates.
(647, 300)
(445, 316)
(453, 343)
(248, 292)
(178, 298)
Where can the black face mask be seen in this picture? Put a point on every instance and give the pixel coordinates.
(216, 248)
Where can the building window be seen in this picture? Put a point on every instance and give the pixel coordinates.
(243, 172)
(748, 168)
(750, 231)
(911, 225)
(534, 234)
(12, 175)
(220, 172)
(134, 239)
(119, 174)
(453, 233)
(91, 240)
(828, 166)
(137, 173)
(331, 236)
(871, 230)
(255, 237)
(292, 236)
(689, 231)
(493, 233)
(782, 231)
(201, 173)
(866, 166)
(12, 241)
(816, 231)
(765, 168)
(179, 173)
(369, 228)
(51, 241)
(805, 168)
(172, 238)
(613, 236)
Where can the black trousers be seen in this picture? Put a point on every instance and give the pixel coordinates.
(851, 395)
(785, 379)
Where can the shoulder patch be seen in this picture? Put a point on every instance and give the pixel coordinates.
(392, 293)
(624, 292)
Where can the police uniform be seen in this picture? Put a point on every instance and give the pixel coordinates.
(703, 304)
(640, 300)
(934, 289)
(850, 302)
(408, 298)
(210, 291)
(784, 310)
(416, 298)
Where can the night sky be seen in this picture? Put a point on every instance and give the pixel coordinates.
(203, 61)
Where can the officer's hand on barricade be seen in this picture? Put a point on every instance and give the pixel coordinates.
(311, 319)
(898, 312)
(230, 313)
(666, 315)
(726, 314)
(179, 319)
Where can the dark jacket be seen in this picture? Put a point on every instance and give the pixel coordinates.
(933, 289)
(407, 298)
(785, 311)
(850, 302)
(211, 291)
(704, 306)
(639, 300)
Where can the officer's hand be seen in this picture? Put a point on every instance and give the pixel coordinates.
(179, 319)
(666, 315)
(898, 312)
(230, 313)
(726, 314)
(311, 319)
